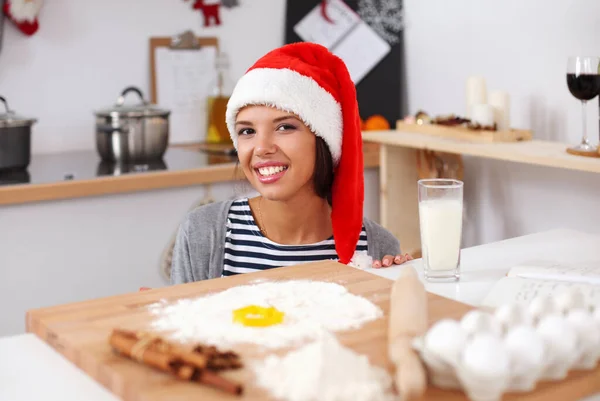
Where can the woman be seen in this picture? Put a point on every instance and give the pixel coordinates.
(293, 118)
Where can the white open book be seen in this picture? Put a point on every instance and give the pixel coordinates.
(528, 280)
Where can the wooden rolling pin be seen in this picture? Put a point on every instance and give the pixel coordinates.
(408, 319)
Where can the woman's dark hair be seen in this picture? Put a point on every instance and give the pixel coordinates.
(323, 175)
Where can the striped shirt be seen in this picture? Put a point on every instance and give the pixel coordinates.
(248, 250)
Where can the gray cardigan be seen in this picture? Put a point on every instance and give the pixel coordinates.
(200, 244)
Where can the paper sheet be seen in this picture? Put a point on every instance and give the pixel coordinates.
(183, 81)
(523, 290)
(348, 37)
(584, 272)
(361, 50)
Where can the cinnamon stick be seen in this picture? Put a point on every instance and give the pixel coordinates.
(127, 341)
(125, 344)
(185, 364)
(188, 356)
(209, 378)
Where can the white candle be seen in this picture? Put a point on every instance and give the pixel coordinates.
(482, 114)
(476, 93)
(500, 101)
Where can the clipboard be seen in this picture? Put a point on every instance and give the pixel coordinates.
(168, 81)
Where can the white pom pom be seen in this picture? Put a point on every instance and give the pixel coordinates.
(361, 260)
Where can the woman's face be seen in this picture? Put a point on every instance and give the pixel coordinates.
(276, 152)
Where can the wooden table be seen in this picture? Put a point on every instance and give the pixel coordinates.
(399, 211)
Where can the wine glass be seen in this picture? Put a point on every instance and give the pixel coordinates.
(583, 80)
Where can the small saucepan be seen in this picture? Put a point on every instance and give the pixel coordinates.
(132, 133)
(15, 140)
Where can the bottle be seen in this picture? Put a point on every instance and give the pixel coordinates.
(216, 104)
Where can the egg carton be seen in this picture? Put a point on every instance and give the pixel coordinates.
(511, 349)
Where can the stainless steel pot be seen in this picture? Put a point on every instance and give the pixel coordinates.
(132, 133)
(15, 140)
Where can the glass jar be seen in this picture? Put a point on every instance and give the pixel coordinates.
(216, 104)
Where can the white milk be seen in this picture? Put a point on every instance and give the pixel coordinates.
(441, 230)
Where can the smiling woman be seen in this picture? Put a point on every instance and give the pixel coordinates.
(293, 118)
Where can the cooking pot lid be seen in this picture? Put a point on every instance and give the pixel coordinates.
(10, 119)
(142, 109)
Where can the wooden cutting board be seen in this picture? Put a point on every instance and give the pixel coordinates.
(465, 134)
(80, 332)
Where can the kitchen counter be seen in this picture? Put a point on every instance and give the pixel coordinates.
(79, 174)
(399, 172)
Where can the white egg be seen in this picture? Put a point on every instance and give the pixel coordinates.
(527, 356)
(484, 371)
(588, 338)
(446, 339)
(512, 315)
(541, 306)
(561, 344)
(569, 298)
(486, 357)
(476, 322)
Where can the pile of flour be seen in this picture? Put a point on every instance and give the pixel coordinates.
(310, 307)
(323, 370)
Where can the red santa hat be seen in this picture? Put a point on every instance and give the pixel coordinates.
(309, 81)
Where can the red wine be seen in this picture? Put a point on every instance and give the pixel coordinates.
(584, 86)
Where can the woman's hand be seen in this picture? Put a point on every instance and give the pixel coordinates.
(389, 260)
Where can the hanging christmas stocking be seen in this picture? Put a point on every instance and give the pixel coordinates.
(24, 14)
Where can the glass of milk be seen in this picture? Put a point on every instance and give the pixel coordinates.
(440, 217)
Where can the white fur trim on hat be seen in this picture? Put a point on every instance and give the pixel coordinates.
(290, 91)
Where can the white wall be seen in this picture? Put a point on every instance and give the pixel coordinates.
(522, 47)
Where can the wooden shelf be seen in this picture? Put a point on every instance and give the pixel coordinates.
(535, 152)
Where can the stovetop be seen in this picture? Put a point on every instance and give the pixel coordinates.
(86, 165)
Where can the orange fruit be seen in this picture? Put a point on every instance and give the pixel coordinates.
(376, 122)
